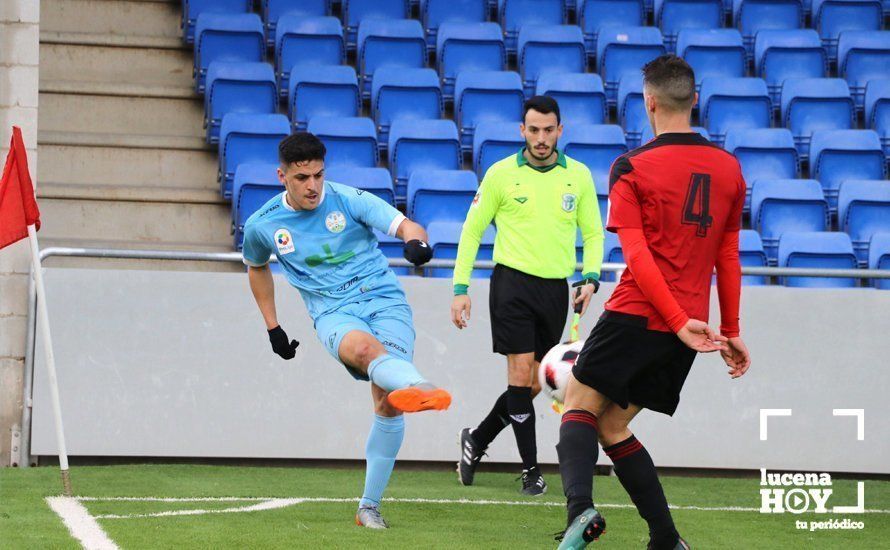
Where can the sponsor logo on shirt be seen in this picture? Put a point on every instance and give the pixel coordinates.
(329, 257)
(568, 202)
(335, 222)
(284, 241)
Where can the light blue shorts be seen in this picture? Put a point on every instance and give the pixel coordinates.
(389, 320)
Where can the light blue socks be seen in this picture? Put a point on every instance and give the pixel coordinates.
(383, 445)
(391, 373)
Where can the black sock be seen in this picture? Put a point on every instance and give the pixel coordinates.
(491, 425)
(577, 449)
(522, 415)
(636, 472)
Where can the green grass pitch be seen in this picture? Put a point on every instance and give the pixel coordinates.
(707, 513)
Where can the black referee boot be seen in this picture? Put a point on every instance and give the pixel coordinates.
(470, 455)
(533, 483)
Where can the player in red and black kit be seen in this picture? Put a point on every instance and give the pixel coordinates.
(676, 204)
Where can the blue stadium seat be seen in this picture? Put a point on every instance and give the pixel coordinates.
(226, 37)
(400, 93)
(597, 146)
(863, 56)
(763, 153)
(515, 14)
(648, 135)
(817, 250)
(713, 53)
(812, 104)
(433, 13)
(877, 110)
(753, 16)
(440, 195)
(274, 10)
(397, 43)
(468, 47)
(492, 141)
(486, 96)
(624, 50)
(306, 41)
(392, 247)
(612, 253)
(751, 254)
(631, 108)
(248, 138)
(594, 15)
(734, 103)
(839, 155)
(356, 11)
(421, 145)
(879, 257)
(322, 90)
(863, 208)
(444, 237)
(350, 141)
(832, 17)
(373, 180)
(237, 88)
(253, 186)
(191, 9)
(673, 15)
(551, 48)
(780, 55)
(581, 96)
(779, 206)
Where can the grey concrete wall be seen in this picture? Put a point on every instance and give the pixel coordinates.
(19, 56)
(178, 364)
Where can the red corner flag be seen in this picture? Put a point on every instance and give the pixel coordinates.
(18, 209)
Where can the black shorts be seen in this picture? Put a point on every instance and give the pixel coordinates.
(629, 363)
(528, 313)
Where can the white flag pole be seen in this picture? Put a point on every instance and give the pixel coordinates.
(43, 326)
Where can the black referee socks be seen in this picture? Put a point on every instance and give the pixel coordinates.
(636, 472)
(521, 411)
(491, 425)
(578, 450)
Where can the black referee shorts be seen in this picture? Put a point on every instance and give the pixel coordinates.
(629, 363)
(528, 313)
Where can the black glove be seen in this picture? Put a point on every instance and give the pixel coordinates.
(418, 252)
(278, 339)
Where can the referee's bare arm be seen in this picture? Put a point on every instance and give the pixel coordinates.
(483, 209)
(591, 225)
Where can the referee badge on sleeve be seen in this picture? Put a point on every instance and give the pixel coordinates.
(568, 202)
(476, 198)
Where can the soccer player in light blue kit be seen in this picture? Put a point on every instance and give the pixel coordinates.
(321, 233)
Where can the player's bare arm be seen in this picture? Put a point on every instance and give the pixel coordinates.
(263, 288)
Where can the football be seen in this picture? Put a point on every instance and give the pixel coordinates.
(555, 368)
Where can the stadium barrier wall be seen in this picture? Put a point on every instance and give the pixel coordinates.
(173, 364)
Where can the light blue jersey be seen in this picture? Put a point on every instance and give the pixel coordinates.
(329, 254)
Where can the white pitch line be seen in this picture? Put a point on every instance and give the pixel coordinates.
(81, 524)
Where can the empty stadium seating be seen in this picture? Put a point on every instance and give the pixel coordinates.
(713, 52)
(237, 88)
(306, 41)
(433, 13)
(393, 248)
(863, 56)
(779, 206)
(833, 17)
(812, 104)
(323, 90)
(624, 50)
(879, 257)
(673, 15)
(226, 37)
(581, 96)
(273, 10)
(780, 55)
(486, 96)
(839, 155)
(863, 211)
(733, 103)
(356, 11)
(440, 195)
(400, 93)
(754, 16)
(594, 15)
(631, 108)
(751, 254)
(444, 237)
(648, 135)
(421, 145)
(763, 153)
(248, 138)
(253, 185)
(466, 48)
(597, 146)
(398, 43)
(877, 110)
(819, 250)
(611, 254)
(514, 14)
(554, 48)
(191, 9)
(373, 180)
(492, 141)
(350, 141)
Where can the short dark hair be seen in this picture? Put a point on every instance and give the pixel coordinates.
(541, 103)
(673, 80)
(300, 147)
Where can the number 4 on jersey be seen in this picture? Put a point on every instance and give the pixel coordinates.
(698, 204)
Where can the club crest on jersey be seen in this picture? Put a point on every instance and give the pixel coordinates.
(568, 202)
(335, 222)
(284, 241)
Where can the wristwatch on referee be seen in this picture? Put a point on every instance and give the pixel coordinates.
(588, 280)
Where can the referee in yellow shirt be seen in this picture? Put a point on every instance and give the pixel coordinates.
(538, 198)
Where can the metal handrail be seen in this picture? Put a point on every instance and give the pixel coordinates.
(177, 255)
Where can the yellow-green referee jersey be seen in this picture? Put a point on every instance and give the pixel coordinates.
(537, 214)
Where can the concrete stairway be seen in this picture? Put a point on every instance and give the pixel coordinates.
(121, 158)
